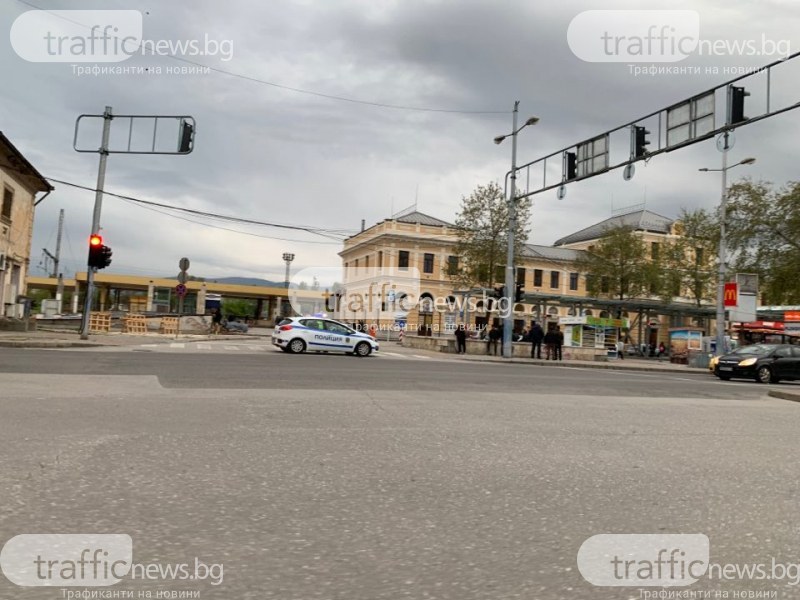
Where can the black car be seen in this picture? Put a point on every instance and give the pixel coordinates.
(766, 363)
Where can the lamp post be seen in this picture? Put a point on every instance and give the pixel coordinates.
(723, 251)
(508, 319)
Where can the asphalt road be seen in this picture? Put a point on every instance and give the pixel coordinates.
(344, 478)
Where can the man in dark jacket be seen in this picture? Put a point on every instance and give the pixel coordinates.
(495, 336)
(461, 339)
(559, 343)
(537, 336)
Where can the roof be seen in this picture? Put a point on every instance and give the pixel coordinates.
(415, 217)
(13, 159)
(551, 253)
(640, 220)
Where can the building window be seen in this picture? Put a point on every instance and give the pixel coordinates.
(698, 256)
(380, 259)
(402, 259)
(427, 264)
(356, 263)
(366, 261)
(8, 200)
(520, 275)
(654, 250)
(452, 265)
(605, 285)
(537, 277)
(499, 273)
(554, 279)
(573, 282)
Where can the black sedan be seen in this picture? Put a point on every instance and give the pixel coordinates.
(766, 363)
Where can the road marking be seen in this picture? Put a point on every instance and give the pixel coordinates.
(177, 345)
(204, 346)
(421, 356)
(231, 347)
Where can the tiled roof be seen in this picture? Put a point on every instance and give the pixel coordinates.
(551, 253)
(423, 219)
(641, 220)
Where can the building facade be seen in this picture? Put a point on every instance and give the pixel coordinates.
(553, 286)
(19, 184)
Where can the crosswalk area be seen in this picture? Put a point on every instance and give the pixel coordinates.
(247, 348)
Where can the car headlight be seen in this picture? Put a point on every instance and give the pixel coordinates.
(748, 362)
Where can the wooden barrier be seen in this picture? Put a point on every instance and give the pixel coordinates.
(169, 325)
(136, 324)
(99, 322)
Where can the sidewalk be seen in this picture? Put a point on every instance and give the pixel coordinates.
(617, 365)
(71, 339)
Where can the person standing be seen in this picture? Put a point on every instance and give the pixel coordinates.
(495, 335)
(461, 339)
(537, 336)
(549, 344)
(216, 320)
(559, 343)
(621, 349)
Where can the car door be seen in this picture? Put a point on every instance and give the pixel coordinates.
(341, 336)
(314, 333)
(783, 362)
(795, 371)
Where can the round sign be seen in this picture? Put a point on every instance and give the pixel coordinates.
(721, 141)
(180, 289)
(182, 277)
(627, 174)
(184, 264)
(562, 192)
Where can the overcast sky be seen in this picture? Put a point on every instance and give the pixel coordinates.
(270, 154)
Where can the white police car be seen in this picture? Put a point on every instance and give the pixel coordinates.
(317, 334)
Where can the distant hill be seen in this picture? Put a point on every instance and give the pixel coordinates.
(248, 281)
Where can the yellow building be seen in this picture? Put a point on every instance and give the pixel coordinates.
(20, 182)
(553, 286)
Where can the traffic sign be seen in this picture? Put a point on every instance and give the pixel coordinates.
(180, 289)
(182, 277)
(183, 264)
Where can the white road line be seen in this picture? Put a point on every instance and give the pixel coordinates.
(421, 356)
(149, 345)
(177, 345)
(204, 346)
(231, 347)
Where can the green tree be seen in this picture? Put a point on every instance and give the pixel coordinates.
(763, 237)
(482, 244)
(618, 266)
(687, 262)
(238, 307)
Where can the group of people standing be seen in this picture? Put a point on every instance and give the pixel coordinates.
(553, 342)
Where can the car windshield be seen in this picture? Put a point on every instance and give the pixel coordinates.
(758, 349)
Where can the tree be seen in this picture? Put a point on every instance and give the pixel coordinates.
(763, 237)
(482, 245)
(618, 265)
(687, 262)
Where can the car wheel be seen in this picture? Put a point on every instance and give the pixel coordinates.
(764, 375)
(363, 349)
(724, 377)
(297, 346)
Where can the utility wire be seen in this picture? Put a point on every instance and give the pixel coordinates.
(299, 90)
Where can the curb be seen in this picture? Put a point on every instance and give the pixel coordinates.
(588, 365)
(791, 396)
(47, 344)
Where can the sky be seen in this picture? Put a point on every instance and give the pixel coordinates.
(336, 149)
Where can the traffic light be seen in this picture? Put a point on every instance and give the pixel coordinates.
(518, 293)
(571, 165)
(737, 96)
(99, 254)
(186, 137)
(500, 292)
(640, 141)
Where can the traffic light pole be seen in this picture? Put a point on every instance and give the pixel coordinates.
(508, 319)
(723, 209)
(98, 205)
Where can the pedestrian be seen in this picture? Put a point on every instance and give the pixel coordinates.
(537, 336)
(461, 339)
(216, 320)
(621, 349)
(559, 343)
(495, 335)
(662, 349)
(549, 344)
(372, 331)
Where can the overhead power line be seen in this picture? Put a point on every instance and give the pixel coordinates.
(301, 90)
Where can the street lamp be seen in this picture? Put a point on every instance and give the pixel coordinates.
(508, 320)
(723, 251)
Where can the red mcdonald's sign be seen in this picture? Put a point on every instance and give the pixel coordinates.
(731, 294)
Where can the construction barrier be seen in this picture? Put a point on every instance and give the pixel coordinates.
(169, 325)
(99, 322)
(135, 324)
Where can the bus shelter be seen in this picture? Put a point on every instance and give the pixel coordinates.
(592, 332)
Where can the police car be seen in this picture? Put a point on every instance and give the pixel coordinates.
(317, 334)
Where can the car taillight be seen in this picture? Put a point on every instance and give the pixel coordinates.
(285, 327)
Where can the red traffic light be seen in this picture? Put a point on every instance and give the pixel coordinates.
(95, 240)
